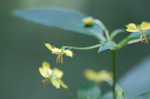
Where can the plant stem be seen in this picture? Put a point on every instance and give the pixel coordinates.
(115, 33)
(102, 25)
(114, 72)
(83, 48)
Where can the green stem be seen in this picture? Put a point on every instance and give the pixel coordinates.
(102, 25)
(82, 48)
(106, 31)
(114, 72)
(115, 33)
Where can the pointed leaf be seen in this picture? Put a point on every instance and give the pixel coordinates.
(64, 19)
(134, 37)
(138, 34)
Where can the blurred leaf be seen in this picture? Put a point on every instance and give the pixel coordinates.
(89, 91)
(137, 80)
(64, 19)
(137, 35)
(144, 95)
(107, 45)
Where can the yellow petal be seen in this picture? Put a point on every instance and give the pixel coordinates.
(53, 49)
(56, 51)
(55, 83)
(145, 25)
(63, 84)
(98, 76)
(104, 76)
(131, 27)
(91, 75)
(46, 73)
(45, 70)
(68, 53)
(49, 46)
(45, 65)
(58, 73)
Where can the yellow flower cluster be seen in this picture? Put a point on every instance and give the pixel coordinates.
(53, 75)
(142, 28)
(98, 76)
(59, 52)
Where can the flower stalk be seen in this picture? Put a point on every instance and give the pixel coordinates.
(102, 25)
(82, 48)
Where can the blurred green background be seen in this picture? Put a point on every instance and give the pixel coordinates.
(22, 50)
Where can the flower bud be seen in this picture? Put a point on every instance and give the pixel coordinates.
(89, 21)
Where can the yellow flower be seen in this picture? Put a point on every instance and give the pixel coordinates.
(104, 75)
(56, 79)
(145, 26)
(98, 76)
(53, 75)
(59, 52)
(54, 50)
(142, 28)
(58, 73)
(89, 21)
(132, 28)
(91, 75)
(68, 53)
(45, 70)
(49, 46)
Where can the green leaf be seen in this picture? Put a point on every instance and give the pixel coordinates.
(137, 35)
(89, 91)
(136, 81)
(64, 19)
(107, 45)
(143, 95)
(132, 38)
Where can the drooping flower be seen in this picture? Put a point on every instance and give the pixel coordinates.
(52, 75)
(142, 28)
(59, 52)
(98, 76)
